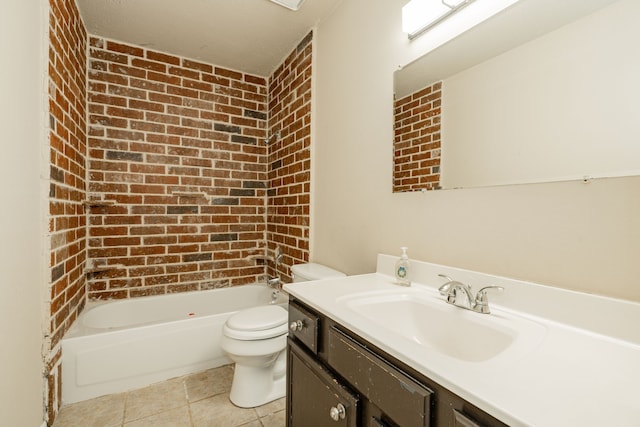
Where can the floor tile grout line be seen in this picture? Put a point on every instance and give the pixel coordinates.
(186, 394)
(179, 386)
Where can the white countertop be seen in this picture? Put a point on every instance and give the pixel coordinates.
(585, 371)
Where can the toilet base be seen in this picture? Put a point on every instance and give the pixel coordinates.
(256, 386)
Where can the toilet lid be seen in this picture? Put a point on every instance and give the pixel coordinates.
(258, 318)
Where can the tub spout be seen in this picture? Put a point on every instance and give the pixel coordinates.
(274, 282)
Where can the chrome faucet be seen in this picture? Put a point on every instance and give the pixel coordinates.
(274, 282)
(453, 288)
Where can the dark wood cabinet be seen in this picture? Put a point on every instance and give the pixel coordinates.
(317, 398)
(400, 397)
(461, 420)
(335, 378)
(303, 326)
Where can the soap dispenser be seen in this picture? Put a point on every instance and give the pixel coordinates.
(402, 269)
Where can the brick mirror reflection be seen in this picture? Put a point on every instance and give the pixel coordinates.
(416, 145)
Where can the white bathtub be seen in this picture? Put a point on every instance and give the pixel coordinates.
(121, 345)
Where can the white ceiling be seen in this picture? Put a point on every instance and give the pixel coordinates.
(252, 36)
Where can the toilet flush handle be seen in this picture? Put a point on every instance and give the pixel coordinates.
(296, 326)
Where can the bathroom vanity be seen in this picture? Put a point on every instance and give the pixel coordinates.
(337, 378)
(363, 351)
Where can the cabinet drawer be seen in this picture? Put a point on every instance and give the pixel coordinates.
(399, 396)
(306, 326)
(316, 398)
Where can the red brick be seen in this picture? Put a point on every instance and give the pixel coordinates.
(165, 99)
(192, 84)
(124, 112)
(147, 106)
(149, 65)
(180, 91)
(126, 49)
(170, 120)
(106, 99)
(182, 72)
(228, 73)
(207, 68)
(255, 80)
(164, 78)
(109, 77)
(121, 241)
(163, 57)
(145, 231)
(108, 56)
(147, 85)
(108, 231)
(148, 189)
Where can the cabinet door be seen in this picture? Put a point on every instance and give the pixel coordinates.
(315, 397)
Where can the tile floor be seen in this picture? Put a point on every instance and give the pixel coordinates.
(197, 400)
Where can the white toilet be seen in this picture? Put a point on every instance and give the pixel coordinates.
(313, 271)
(256, 339)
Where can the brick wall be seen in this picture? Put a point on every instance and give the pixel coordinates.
(178, 172)
(170, 186)
(416, 144)
(67, 221)
(290, 157)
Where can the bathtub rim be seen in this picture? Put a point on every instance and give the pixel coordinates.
(79, 330)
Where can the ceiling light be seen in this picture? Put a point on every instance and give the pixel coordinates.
(419, 16)
(289, 4)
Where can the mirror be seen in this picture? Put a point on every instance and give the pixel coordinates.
(543, 91)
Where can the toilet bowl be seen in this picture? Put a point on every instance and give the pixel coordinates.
(256, 339)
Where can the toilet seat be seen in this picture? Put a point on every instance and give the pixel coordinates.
(257, 323)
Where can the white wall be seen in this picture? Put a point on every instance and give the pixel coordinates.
(570, 235)
(22, 25)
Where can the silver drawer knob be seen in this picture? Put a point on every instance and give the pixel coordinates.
(296, 326)
(337, 412)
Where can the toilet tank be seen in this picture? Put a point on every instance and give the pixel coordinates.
(313, 271)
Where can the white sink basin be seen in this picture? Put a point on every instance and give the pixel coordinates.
(452, 331)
